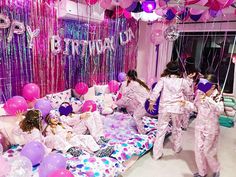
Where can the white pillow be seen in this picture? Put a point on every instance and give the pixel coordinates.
(90, 95)
(2, 111)
(108, 100)
(57, 99)
(107, 111)
(101, 89)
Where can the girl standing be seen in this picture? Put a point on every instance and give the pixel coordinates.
(209, 107)
(171, 89)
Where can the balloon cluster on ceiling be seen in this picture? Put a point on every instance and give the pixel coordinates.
(165, 10)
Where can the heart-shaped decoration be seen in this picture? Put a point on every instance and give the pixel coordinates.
(65, 110)
(155, 106)
(204, 87)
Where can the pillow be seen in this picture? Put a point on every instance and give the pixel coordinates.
(76, 104)
(101, 89)
(2, 111)
(58, 98)
(107, 111)
(108, 100)
(90, 95)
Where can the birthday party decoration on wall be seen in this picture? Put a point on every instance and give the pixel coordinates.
(17, 27)
(96, 55)
(93, 46)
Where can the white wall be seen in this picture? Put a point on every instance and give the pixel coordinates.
(146, 60)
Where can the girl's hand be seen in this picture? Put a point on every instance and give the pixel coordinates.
(69, 135)
(192, 75)
(182, 103)
(151, 106)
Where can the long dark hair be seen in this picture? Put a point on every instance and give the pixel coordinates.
(172, 68)
(132, 74)
(32, 120)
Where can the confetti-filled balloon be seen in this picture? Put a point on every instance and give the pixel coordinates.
(171, 33)
(20, 167)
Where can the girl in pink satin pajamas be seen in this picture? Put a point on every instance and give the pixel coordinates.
(29, 129)
(62, 137)
(86, 122)
(134, 94)
(207, 129)
(171, 87)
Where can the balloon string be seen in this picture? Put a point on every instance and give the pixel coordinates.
(226, 77)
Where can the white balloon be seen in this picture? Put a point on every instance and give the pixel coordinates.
(20, 167)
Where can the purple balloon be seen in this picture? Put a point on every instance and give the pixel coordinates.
(50, 163)
(214, 13)
(122, 76)
(44, 106)
(34, 151)
(132, 6)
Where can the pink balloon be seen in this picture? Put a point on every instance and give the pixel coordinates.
(113, 86)
(91, 2)
(31, 91)
(126, 3)
(127, 14)
(61, 173)
(89, 105)
(4, 167)
(157, 36)
(105, 4)
(15, 105)
(81, 88)
(196, 11)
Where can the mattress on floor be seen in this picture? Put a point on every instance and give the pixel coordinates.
(128, 145)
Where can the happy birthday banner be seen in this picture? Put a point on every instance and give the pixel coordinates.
(94, 46)
(56, 54)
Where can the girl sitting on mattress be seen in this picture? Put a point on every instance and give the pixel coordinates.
(29, 129)
(84, 123)
(62, 137)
